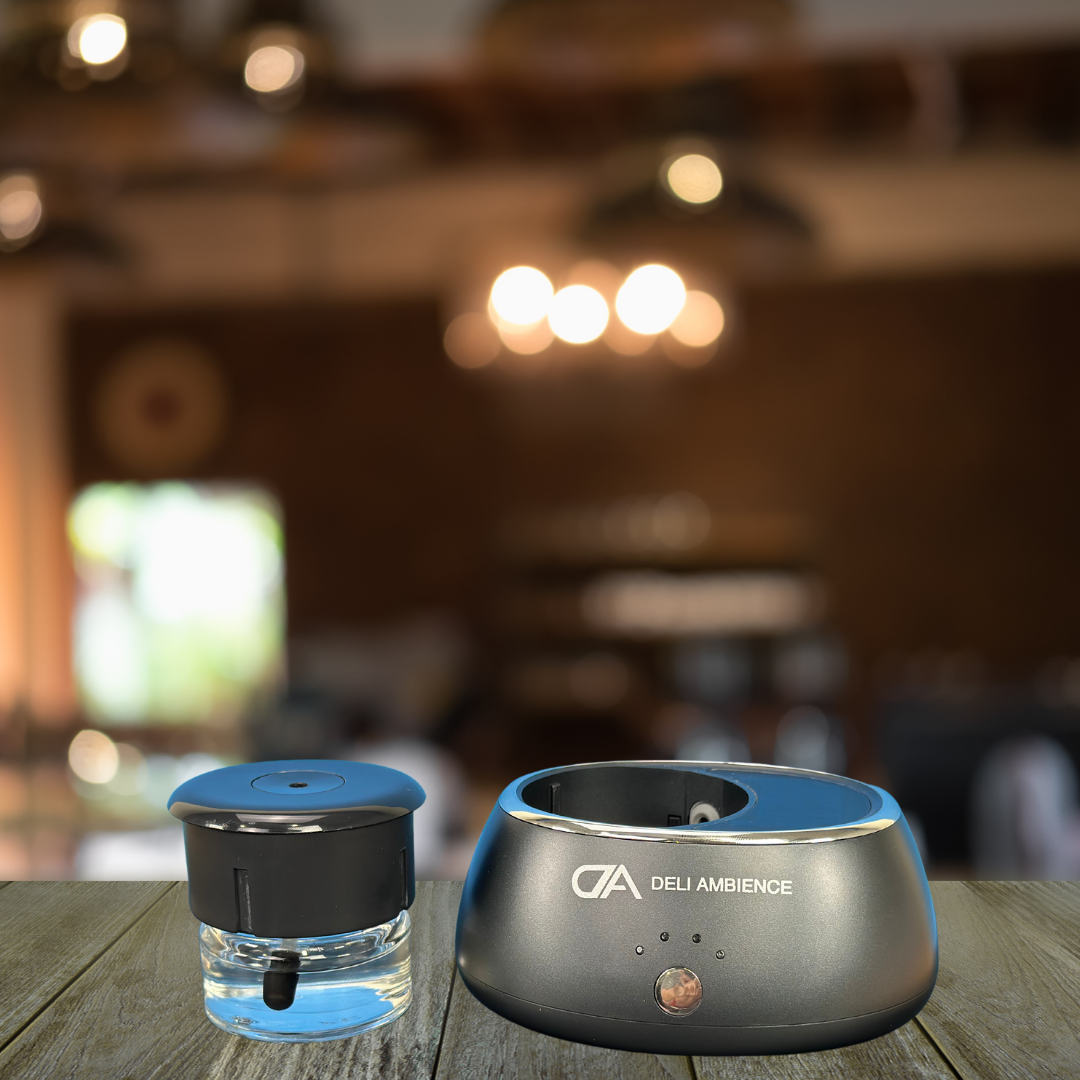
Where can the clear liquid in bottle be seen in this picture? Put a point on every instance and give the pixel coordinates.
(306, 989)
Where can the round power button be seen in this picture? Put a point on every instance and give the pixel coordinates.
(678, 991)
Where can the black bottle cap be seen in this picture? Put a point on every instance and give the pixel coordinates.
(298, 848)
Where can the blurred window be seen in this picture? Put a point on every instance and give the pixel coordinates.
(180, 610)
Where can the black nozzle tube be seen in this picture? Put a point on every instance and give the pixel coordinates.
(280, 981)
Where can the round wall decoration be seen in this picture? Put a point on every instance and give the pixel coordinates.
(161, 408)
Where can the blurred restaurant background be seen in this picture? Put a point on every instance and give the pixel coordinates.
(474, 386)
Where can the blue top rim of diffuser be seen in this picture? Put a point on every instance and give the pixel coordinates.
(322, 794)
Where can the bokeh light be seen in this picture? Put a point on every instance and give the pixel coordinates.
(681, 521)
(471, 341)
(527, 340)
(700, 322)
(521, 296)
(131, 772)
(20, 207)
(273, 68)
(93, 757)
(694, 178)
(578, 314)
(621, 339)
(597, 273)
(687, 356)
(97, 39)
(650, 299)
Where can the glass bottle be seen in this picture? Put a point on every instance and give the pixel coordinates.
(306, 989)
(301, 874)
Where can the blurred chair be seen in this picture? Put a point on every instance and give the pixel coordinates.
(691, 733)
(439, 825)
(1025, 816)
(806, 738)
(715, 740)
(140, 855)
(713, 671)
(809, 667)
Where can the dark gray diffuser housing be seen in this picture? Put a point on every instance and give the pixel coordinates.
(698, 908)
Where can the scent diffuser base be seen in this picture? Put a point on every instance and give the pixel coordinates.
(698, 908)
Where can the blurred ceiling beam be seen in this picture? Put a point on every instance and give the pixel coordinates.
(918, 152)
(896, 214)
(873, 215)
(846, 26)
(406, 239)
(186, 131)
(387, 39)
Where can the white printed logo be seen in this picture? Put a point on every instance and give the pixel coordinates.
(608, 882)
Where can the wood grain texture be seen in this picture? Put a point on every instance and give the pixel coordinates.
(139, 1012)
(906, 1052)
(1007, 1002)
(102, 1001)
(478, 1043)
(404, 1050)
(51, 931)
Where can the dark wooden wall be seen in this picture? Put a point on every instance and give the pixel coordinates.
(927, 427)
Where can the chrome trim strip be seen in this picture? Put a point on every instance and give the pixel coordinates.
(880, 817)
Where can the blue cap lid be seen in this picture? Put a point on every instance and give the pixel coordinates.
(296, 796)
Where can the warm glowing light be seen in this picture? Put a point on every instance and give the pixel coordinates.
(471, 341)
(93, 757)
(521, 296)
(97, 39)
(578, 314)
(599, 274)
(526, 340)
(621, 339)
(700, 322)
(650, 299)
(274, 68)
(687, 356)
(694, 178)
(20, 207)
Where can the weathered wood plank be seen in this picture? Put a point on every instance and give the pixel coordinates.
(139, 999)
(906, 1052)
(479, 1043)
(1007, 1002)
(139, 1012)
(51, 931)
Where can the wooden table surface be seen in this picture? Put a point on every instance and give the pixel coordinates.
(101, 979)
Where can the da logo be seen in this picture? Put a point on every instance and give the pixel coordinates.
(606, 884)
